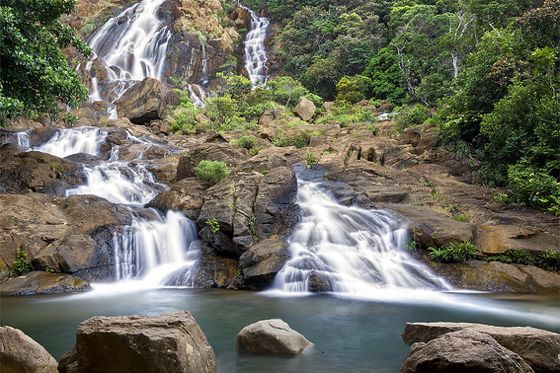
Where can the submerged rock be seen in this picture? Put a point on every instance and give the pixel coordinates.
(463, 351)
(38, 282)
(539, 348)
(19, 353)
(171, 342)
(271, 337)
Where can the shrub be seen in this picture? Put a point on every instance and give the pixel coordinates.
(311, 159)
(353, 89)
(246, 142)
(21, 265)
(213, 224)
(534, 187)
(299, 140)
(346, 114)
(549, 259)
(212, 171)
(456, 252)
(411, 115)
(461, 218)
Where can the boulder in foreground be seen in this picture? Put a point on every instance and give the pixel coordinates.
(463, 351)
(171, 342)
(538, 348)
(271, 337)
(19, 353)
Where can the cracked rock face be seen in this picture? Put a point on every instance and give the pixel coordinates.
(271, 337)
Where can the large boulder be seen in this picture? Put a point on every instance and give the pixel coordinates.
(539, 348)
(36, 171)
(186, 195)
(463, 351)
(72, 234)
(144, 101)
(305, 109)
(218, 150)
(171, 342)
(271, 337)
(260, 264)
(19, 353)
(38, 282)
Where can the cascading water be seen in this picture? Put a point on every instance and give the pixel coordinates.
(255, 51)
(349, 250)
(70, 141)
(155, 246)
(131, 46)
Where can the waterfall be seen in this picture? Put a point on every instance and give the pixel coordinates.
(156, 249)
(131, 46)
(69, 141)
(349, 250)
(255, 51)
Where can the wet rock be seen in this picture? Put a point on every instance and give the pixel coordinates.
(38, 282)
(38, 172)
(260, 264)
(463, 351)
(538, 348)
(319, 283)
(171, 342)
(305, 109)
(214, 271)
(143, 102)
(271, 337)
(497, 276)
(165, 169)
(19, 353)
(72, 234)
(275, 208)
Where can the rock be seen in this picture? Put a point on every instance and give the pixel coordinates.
(463, 351)
(221, 151)
(72, 234)
(433, 229)
(165, 169)
(187, 195)
(38, 282)
(538, 348)
(271, 337)
(305, 109)
(496, 239)
(497, 276)
(143, 102)
(171, 342)
(319, 283)
(38, 172)
(260, 264)
(275, 207)
(19, 353)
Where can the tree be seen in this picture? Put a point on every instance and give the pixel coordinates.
(35, 76)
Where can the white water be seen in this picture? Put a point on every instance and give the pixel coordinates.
(155, 247)
(255, 51)
(353, 251)
(131, 46)
(69, 141)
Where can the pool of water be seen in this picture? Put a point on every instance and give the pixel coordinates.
(350, 335)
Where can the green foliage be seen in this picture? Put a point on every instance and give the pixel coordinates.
(69, 118)
(549, 259)
(212, 171)
(183, 118)
(310, 160)
(500, 197)
(387, 82)
(21, 264)
(534, 187)
(457, 252)
(35, 76)
(248, 142)
(345, 115)
(224, 111)
(213, 224)
(463, 218)
(299, 140)
(411, 115)
(353, 89)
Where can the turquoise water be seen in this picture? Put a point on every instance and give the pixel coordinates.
(349, 335)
